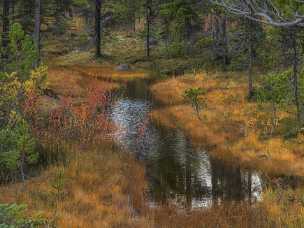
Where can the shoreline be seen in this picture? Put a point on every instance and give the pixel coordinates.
(227, 126)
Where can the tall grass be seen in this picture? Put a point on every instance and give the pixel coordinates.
(89, 182)
(229, 124)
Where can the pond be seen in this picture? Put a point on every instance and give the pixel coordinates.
(178, 173)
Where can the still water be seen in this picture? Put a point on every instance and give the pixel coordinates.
(178, 173)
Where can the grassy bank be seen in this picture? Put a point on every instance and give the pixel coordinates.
(86, 182)
(93, 184)
(109, 73)
(104, 188)
(229, 125)
(96, 189)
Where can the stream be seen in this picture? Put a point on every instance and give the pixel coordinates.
(178, 173)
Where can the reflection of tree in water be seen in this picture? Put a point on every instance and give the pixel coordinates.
(178, 173)
(226, 182)
(175, 171)
(231, 183)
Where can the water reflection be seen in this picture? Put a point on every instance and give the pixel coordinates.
(178, 173)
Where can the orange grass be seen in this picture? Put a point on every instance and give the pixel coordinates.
(278, 209)
(104, 188)
(108, 73)
(70, 83)
(228, 125)
(99, 191)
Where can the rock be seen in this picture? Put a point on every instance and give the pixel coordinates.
(123, 67)
(152, 42)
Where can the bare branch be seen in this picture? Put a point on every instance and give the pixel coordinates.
(261, 11)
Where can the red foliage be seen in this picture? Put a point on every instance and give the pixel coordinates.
(29, 105)
(84, 120)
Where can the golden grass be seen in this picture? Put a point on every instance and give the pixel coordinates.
(228, 125)
(108, 73)
(103, 187)
(278, 209)
(99, 191)
(71, 83)
(72, 58)
(67, 83)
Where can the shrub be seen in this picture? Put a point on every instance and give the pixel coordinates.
(275, 90)
(13, 215)
(22, 52)
(193, 94)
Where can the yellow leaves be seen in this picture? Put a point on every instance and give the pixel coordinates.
(11, 86)
(37, 80)
(9, 89)
(14, 117)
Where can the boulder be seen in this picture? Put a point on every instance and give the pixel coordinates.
(123, 67)
(152, 42)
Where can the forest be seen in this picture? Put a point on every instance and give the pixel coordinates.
(151, 113)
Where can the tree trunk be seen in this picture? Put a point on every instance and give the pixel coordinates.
(5, 33)
(37, 30)
(225, 41)
(295, 77)
(132, 15)
(13, 10)
(22, 161)
(251, 57)
(250, 75)
(148, 21)
(220, 38)
(98, 27)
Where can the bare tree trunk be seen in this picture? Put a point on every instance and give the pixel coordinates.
(251, 57)
(5, 33)
(98, 27)
(295, 77)
(220, 47)
(13, 10)
(148, 21)
(225, 41)
(250, 74)
(215, 35)
(37, 29)
(132, 14)
(22, 161)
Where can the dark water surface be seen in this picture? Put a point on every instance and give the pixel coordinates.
(178, 173)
